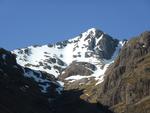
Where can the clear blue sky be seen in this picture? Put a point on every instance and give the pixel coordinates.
(28, 22)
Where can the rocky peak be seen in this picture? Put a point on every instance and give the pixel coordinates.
(98, 43)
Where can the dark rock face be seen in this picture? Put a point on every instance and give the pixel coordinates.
(70, 102)
(126, 88)
(7, 58)
(104, 48)
(108, 46)
(78, 68)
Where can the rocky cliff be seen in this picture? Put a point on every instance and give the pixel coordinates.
(126, 86)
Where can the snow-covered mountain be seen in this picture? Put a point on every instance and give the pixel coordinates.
(79, 65)
(92, 47)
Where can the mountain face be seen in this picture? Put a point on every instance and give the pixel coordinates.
(85, 56)
(126, 87)
(78, 63)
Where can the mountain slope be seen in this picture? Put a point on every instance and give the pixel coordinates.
(93, 47)
(22, 90)
(126, 87)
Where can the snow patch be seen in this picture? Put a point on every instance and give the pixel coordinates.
(59, 89)
(97, 40)
(76, 77)
(43, 83)
(4, 56)
(61, 83)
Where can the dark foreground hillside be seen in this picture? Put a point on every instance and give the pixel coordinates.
(19, 94)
